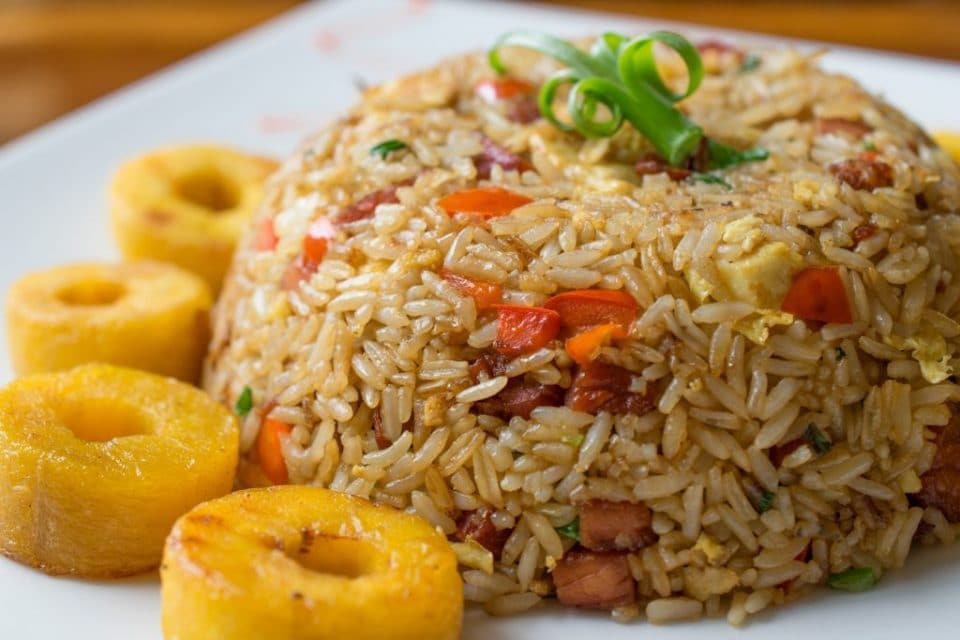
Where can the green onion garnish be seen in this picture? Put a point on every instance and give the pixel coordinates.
(571, 530)
(386, 147)
(841, 354)
(858, 579)
(720, 156)
(869, 145)
(816, 439)
(750, 63)
(244, 403)
(766, 501)
(710, 178)
(621, 74)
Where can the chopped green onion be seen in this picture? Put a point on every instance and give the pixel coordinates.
(750, 63)
(244, 403)
(386, 147)
(711, 178)
(856, 580)
(766, 501)
(720, 156)
(574, 441)
(621, 75)
(869, 145)
(816, 439)
(571, 530)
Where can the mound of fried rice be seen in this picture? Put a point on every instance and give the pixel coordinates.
(742, 454)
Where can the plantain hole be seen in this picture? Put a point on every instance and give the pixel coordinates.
(208, 188)
(102, 419)
(92, 293)
(334, 555)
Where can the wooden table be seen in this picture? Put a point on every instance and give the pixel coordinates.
(56, 55)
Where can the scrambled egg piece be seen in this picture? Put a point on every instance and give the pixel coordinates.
(756, 327)
(761, 278)
(930, 351)
(909, 481)
(712, 549)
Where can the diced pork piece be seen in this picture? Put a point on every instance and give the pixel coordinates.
(606, 387)
(941, 483)
(863, 173)
(495, 154)
(520, 397)
(615, 526)
(594, 580)
(478, 526)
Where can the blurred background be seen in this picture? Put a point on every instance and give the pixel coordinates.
(56, 55)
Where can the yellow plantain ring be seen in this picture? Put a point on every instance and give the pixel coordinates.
(98, 462)
(304, 562)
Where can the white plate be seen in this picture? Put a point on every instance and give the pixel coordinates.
(263, 91)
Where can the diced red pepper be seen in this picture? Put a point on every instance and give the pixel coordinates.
(266, 236)
(606, 387)
(270, 450)
(590, 307)
(818, 294)
(493, 89)
(320, 232)
(485, 294)
(524, 329)
(585, 346)
(486, 202)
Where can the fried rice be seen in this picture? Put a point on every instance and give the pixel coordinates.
(747, 456)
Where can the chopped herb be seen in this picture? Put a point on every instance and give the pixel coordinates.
(721, 156)
(841, 354)
(386, 147)
(574, 441)
(816, 439)
(244, 402)
(750, 63)
(766, 501)
(711, 178)
(869, 145)
(857, 579)
(571, 530)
